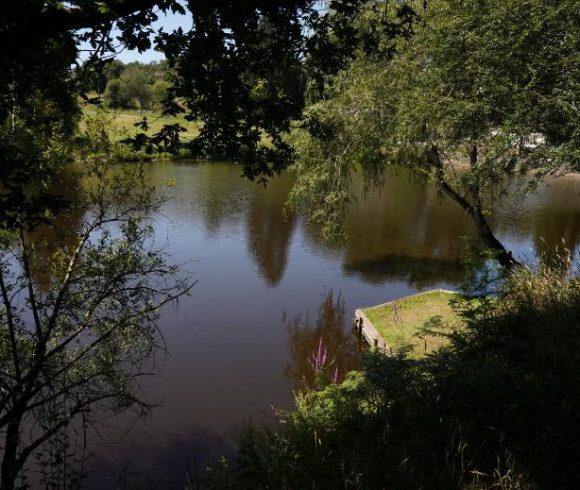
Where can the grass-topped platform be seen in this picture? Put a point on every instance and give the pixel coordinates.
(411, 323)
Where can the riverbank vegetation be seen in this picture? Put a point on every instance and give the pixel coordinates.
(121, 127)
(124, 124)
(81, 284)
(131, 104)
(138, 86)
(496, 408)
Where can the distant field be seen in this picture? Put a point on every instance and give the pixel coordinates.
(123, 122)
(401, 322)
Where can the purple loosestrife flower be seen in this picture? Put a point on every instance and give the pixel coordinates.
(320, 362)
(335, 376)
(319, 359)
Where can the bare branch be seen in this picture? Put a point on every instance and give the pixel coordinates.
(30, 284)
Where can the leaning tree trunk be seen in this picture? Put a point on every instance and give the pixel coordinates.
(503, 256)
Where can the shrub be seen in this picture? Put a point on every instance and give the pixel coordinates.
(115, 95)
(159, 90)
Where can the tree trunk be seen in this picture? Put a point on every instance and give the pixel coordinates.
(10, 464)
(503, 256)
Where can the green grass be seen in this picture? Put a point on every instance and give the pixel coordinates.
(122, 121)
(121, 125)
(401, 323)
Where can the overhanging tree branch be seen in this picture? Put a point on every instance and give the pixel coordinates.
(503, 256)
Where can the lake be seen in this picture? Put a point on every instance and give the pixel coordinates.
(269, 288)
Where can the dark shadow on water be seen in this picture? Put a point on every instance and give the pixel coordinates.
(420, 272)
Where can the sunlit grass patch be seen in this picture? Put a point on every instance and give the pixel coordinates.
(418, 323)
(123, 122)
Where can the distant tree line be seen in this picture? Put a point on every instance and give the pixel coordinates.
(132, 85)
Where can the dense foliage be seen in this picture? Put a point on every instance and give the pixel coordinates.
(494, 84)
(499, 407)
(137, 86)
(237, 70)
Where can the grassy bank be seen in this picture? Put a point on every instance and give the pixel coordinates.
(415, 323)
(122, 124)
(116, 126)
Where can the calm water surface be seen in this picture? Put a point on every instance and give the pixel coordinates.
(269, 288)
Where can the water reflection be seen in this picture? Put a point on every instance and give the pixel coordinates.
(343, 348)
(550, 216)
(406, 231)
(420, 272)
(61, 235)
(217, 195)
(270, 228)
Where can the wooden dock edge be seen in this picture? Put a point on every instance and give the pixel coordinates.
(367, 330)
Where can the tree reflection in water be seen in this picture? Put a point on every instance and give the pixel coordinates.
(61, 235)
(342, 346)
(269, 228)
